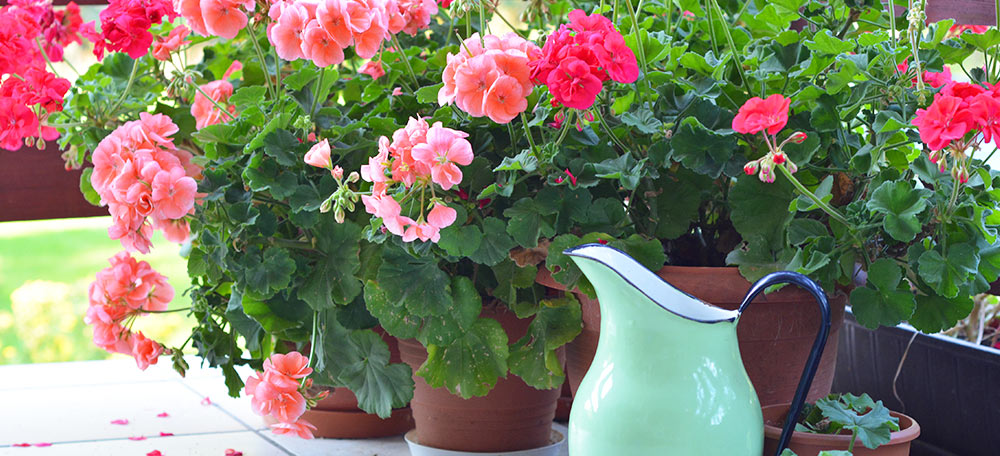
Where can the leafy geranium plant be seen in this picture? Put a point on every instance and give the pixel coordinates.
(867, 422)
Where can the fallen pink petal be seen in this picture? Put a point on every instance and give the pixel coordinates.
(206, 401)
(137, 437)
(22, 445)
(166, 434)
(162, 415)
(154, 453)
(232, 452)
(42, 444)
(120, 422)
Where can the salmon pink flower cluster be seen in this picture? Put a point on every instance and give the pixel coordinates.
(768, 115)
(26, 101)
(961, 118)
(22, 21)
(163, 47)
(490, 76)
(223, 18)
(122, 292)
(146, 181)
(125, 26)
(320, 30)
(579, 56)
(419, 155)
(278, 392)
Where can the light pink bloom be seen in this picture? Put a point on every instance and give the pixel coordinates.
(191, 10)
(173, 193)
(223, 18)
(372, 68)
(319, 155)
(292, 365)
(331, 16)
(301, 428)
(286, 35)
(321, 47)
(441, 216)
(163, 47)
(444, 150)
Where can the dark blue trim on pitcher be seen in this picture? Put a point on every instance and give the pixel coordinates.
(812, 364)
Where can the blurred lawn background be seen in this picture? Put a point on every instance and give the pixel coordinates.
(45, 269)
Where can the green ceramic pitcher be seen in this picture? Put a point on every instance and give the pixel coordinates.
(667, 378)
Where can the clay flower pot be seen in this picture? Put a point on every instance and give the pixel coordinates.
(512, 417)
(338, 417)
(809, 444)
(776, 331)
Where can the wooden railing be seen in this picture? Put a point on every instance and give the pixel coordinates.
(34, 184)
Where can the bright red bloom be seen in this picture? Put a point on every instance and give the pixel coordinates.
(125, 26)
(756, 115)
(985, 109)
(16, 122)
(963, 90)
(37, 87)
(573, 85)
(943, 121)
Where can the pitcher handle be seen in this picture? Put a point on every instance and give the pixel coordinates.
(812, 363)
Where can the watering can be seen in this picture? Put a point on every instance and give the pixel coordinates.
(667, 378)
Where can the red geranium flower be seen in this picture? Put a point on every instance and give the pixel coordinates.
(943, 121)
(756, 115)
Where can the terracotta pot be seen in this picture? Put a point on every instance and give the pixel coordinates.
(565, 402)
(775, 334)
(808, 444)
(338, 416)
(512, 417)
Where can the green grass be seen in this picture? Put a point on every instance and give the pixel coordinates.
(71, 252)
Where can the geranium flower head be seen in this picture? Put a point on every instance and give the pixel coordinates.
(444, 150)
(757, 115)
(943, 121)
(319, 155)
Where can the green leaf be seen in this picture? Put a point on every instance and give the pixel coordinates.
(900, 204)
(533, 357)
(392, 315)
(935, 314)
(643, 120)
(702, 150)
(359, 360)
(248, 95)
(461, 240)
(948, 274)
(332, 279)
(283, 146)
(429, 94)
(243, 324)
(299, 79)
(825, 42)
(528, 220)
(496, 243)
(262, 274)
(676, 207)
(760, 209)
(471, 364)
(983, 41)
(885, 274)
(873, 308)
(87, 189)
(872, 428)
(524, 161)
(417, 283)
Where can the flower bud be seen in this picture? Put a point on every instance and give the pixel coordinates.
(339, 215)
(337, 172)
(327, 204)
(751, 167)
(798, 137)
(766, 172)
(353, 177)
(778, 157)
(791, 166)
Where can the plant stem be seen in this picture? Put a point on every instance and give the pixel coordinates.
(607, 129)
(263, 63)
(833, 213)
(319, 86)
(513, 140)
(312, 342)
(128, 86)
(732, 45)
(854, 436)
(527, 132)
(496, 12)
(565, 130)
(217, 105)
(42, 50)
(406, 61)
(165, 311)
(639, 44)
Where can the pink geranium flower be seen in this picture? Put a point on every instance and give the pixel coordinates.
(320, 46)
(223, 18)
(372, 68)
(286, 35)
(173, 193)
(756, 115)
(145, 351)
(573, 84)
(441, 216)
(331, 16)
(444, 150)
(162, 48)
(319, 155)
(301, 428)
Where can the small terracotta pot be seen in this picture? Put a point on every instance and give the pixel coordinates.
(512, 417)
(338, 417)
(808, 444)
(775, 334)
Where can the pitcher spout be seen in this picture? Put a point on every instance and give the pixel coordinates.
(598, 260)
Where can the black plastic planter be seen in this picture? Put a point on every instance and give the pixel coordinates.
(951, 387)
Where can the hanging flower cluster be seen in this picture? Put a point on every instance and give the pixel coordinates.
(125, 26)
(279, 392)
(418, 156)
(122, 292)
(205, 109)
(961, 118)
(580, 56)
(490, 76)
(320, 31)
(29, 93)
(142, 177)
(769, 116)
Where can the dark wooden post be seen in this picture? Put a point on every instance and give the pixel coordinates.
(34, 185)
(965, 12)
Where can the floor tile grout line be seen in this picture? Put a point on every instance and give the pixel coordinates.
(250, 428)
(111, 439)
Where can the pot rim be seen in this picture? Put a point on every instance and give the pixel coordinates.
(903, 435)
(559, 437)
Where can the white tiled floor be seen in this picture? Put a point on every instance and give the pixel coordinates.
(71, 406)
